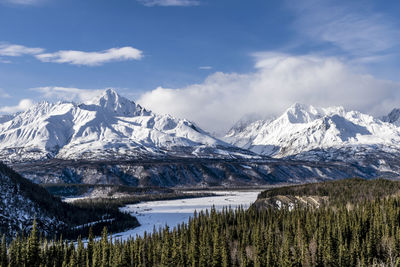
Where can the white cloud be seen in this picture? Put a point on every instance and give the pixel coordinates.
(354, 29)
(3, 94)
(67, 93)
(151, 3)
(71, 56)
(279, 81)
(92, 58)
(5, 61)
(21, 2)
(205, 68)
(24, 104)
(13, 50)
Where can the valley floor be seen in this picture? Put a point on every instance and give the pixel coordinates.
(156, 214)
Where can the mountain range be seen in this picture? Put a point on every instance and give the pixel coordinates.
(333, 134)
(109, 126)
(114, 140)
(304, 128)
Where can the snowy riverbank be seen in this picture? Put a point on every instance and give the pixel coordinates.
(173, 212)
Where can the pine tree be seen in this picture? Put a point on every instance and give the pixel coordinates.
(80, 253)
(90, 247)
(225, 254)
(217, 249)
(105, 249)
(97, 256)
(194, 245)
(3, 252)
(33, 249)
(166, 252)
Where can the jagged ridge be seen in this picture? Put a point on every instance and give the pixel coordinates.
(110, 126)
(303, 128)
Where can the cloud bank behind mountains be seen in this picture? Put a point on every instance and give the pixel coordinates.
(23, 105)
(56, 93)
(279, 80)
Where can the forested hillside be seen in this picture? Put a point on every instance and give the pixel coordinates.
(363, 234)
(341, 191)
(22, 201)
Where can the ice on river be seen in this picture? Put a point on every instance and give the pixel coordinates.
(173, 212)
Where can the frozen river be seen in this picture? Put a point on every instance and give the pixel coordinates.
(173, 212)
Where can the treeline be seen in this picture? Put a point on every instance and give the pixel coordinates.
(340, 191)
(67, 190)
(367, 235)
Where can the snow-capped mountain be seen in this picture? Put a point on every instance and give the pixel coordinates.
(108, 126)
(393, 117)
(112, 140)
(304, 131)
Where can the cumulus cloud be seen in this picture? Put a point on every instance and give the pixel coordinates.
(13, 50)
(23, 104)
(92, 58)
(151, 3)
(279, 80)
(67, 93)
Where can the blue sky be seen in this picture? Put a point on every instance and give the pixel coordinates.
(179, 56)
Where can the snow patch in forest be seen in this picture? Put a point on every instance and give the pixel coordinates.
(174, 212)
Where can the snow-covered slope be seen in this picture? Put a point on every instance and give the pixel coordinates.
(302, 128)
(21, 202)
(110, 126)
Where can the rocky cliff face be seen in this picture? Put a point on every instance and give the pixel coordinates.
(190, 172)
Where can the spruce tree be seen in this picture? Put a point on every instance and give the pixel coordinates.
(32, 248)
(3, 252)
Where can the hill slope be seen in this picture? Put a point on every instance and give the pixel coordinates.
(22, 201)
(332, 193)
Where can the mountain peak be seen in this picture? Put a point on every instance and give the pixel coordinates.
(393, 117)
(110, 95)
(302, 113)
(300, 106)
(112, 102)
(109, 98)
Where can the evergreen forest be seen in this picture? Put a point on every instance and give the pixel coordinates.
(359, 225)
